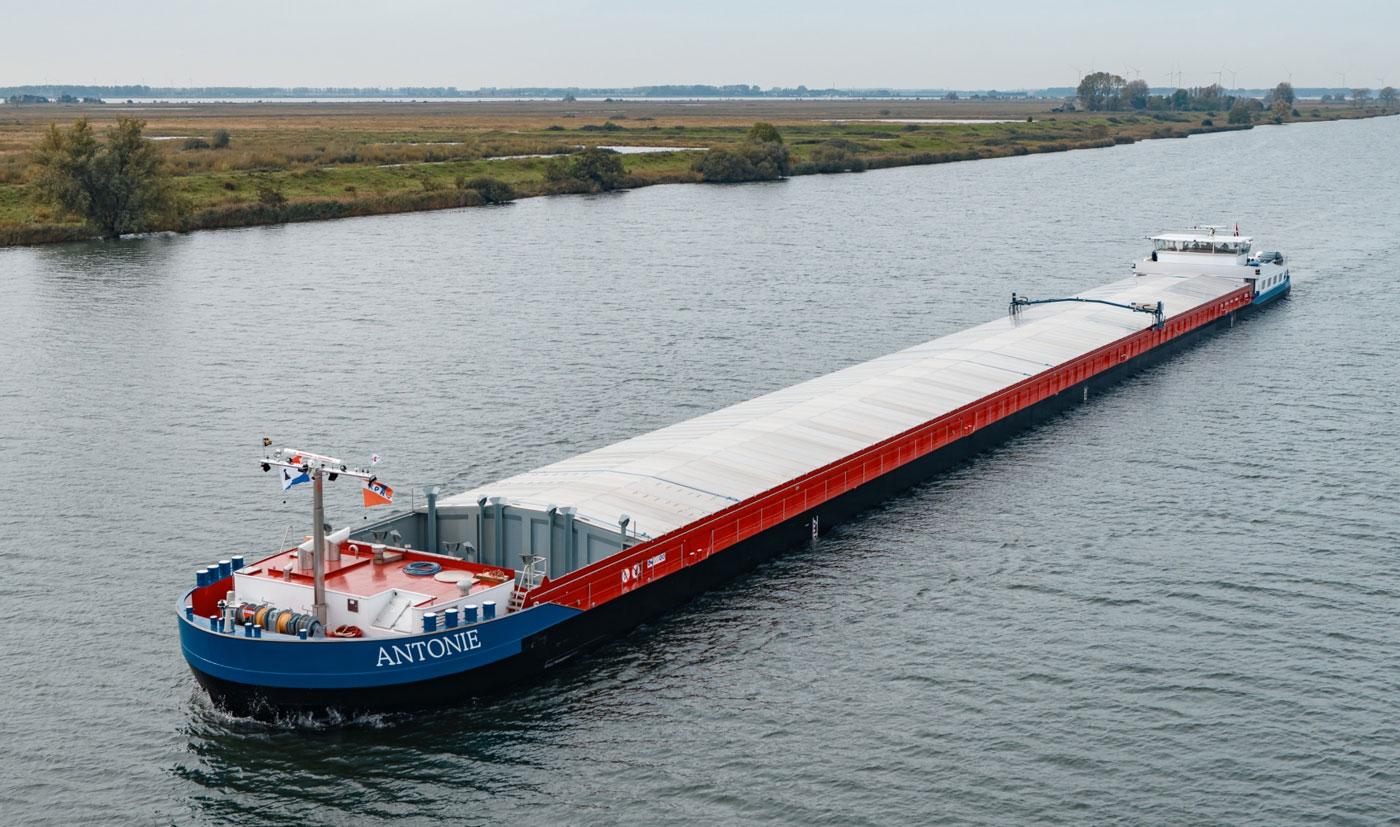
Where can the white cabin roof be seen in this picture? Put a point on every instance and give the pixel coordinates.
(1201, 237)
(674, 476)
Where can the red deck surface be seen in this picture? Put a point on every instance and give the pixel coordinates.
(356, 574)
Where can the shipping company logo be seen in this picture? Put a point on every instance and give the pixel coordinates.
(419, 651)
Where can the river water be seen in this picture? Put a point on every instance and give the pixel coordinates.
(1176, 604)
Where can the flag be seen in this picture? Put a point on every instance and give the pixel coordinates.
(377, 493)
(291, 476)
(373, 460)
(1237, 228)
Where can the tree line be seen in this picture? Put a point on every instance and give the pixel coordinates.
(1105, 92)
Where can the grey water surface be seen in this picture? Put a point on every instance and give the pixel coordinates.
(1177, 604)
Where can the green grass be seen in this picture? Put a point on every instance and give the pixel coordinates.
(338, 168)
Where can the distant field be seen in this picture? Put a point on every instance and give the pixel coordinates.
(357, 158)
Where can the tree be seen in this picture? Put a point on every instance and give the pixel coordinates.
(1239, 113)
(764, 133)
(1359, 96)
(1135, 94)
(1100, 90)
(221, 138)
(1386, 96)
(1284, 92)
(120, 186)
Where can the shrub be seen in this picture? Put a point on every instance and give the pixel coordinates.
(270, 195)
(1098, 132)
(592, 170)
(1123, 139)
(428, 183)
(221, 138)
(1207, 122)
(751, 161)
(911, 127)
(1239, 113)
(195, 143)
(764, 133)
(554, 127)
(843, 145)
(833, 159)
(492, 190)
(230, 185)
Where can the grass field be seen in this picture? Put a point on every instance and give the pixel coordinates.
(334, 159)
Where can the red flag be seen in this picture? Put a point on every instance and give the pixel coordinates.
(1237, 228)
(377, 493)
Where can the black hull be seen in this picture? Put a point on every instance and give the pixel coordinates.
(605, 622)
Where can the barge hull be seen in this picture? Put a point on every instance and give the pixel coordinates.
(613, 617)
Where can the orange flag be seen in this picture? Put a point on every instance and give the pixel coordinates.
(377, 493)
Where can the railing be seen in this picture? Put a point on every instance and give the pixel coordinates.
(642, 564)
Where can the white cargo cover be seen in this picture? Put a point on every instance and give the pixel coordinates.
(676, 475)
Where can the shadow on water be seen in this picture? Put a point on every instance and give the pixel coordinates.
(110, 263)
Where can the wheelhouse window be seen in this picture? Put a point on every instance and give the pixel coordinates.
(1210, 246)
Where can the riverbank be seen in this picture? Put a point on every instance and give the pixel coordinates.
(288, 162)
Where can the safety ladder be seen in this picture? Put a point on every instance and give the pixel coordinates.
(529, 577)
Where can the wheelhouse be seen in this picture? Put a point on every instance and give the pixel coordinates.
(1191, 244)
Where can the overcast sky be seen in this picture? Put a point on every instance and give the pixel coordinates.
(966, 45)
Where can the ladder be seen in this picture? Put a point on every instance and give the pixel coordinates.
(529, 577)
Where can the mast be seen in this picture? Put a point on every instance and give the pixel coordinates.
(318, 556)
(318, 469)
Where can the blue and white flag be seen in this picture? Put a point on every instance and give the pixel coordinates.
(291, 476)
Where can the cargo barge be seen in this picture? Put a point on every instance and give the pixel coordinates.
(466, 594)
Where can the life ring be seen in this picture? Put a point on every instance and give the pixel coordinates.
(346, 630)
